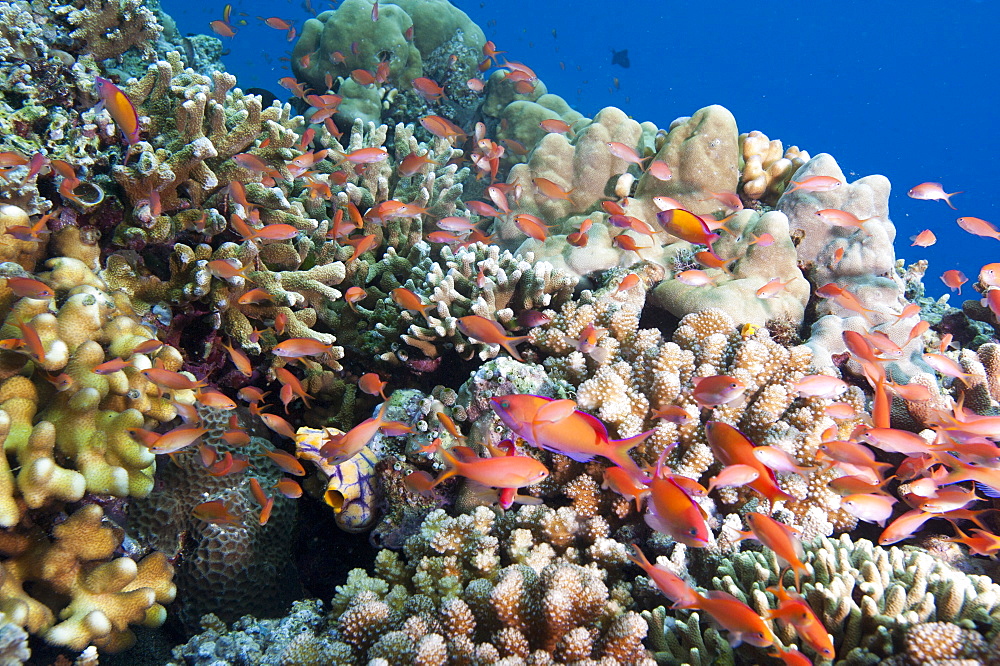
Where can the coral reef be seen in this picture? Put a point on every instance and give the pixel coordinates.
(214, 307)
(876, 602)
(549, 594)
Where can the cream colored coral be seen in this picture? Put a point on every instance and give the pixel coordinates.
(766, 167)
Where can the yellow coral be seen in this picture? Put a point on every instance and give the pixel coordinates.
(105, 594)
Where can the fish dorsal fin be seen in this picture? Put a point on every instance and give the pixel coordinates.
(555, 411)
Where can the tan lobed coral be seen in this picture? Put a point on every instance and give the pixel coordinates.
(80, 593)
(73, 437)
(65, 431)
(767, 167)
(703, 155)
(751, 268)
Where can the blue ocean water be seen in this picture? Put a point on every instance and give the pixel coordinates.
(907, 90)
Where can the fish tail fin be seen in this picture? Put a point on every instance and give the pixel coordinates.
(947, 198)
(637, 556)
(510, 344)
(620, 454)
(453, 465)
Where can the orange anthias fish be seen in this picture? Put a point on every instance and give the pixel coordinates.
(299, 347)
(742, 622)
(841, 218)
(686, 226)
(781, 539)
(121, 109)
(565, 430)
(978, 227)
(428, 89)
(815, 184)
(372, 384)
(925, 238)
(731, 447)
(215, 511)
(502, 472)
(176, 439)
(340, 448)
(170, 380)
(954, 279)
(491, 332)
(794, 610)
(621, 482)
(674, 513)
(441, 127)
(716, 390)
(931, 192)
(30, 288)
(669, 583)
(551, 190)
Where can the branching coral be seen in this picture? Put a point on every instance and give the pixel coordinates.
(871, 599)
(638, 372)
(550, 594)
(196, 125)
(109, 28)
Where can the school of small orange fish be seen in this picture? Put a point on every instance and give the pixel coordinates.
(943, 476)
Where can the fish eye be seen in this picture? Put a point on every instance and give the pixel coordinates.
(693, 531)
(504, 404)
